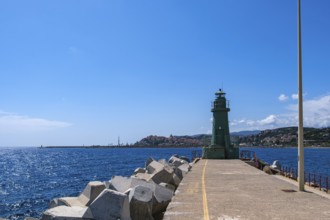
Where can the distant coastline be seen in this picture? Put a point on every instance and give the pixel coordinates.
(270, 138)
(121, 146)
(133, 146)
(287, 146)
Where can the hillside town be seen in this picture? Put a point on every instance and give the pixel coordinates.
(279, 137)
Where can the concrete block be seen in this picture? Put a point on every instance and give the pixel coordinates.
(120, 183)
(154, 166)
(161, 198)
(139, 170)
(167, 185)
(107, 184)
(91, 191)
(148, 161)
(143, 176)
(182, 170)
(176, 162)
(67, 213)
(175, 181)
(160, 173)
(55, 202)
(159, 216)
(70, 201)
(140, 203)
(162, 176)
(161, 195)
(185, 158)
(164, 162)
(110, 205)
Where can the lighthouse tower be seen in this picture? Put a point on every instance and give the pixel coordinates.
(220, 147)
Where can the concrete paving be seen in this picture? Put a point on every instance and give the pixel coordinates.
(234, 190)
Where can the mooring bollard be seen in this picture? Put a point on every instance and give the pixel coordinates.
(327, 184)
(314, 181)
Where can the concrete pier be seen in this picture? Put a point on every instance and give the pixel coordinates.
(232, 189)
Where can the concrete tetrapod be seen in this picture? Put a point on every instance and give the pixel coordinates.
(91, 191)
(163, 161)
(110, 205)
(143, 176)
(140, 203)
(175, 181)
(176, 162)
(148, 161)
(182, 170)
(122, 184)
(144, 195)
(160, 173)
(161, 195)
(139, 170)
(67, 213)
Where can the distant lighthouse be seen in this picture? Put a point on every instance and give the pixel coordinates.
(220, 147)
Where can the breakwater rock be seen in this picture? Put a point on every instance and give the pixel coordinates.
(144, 195)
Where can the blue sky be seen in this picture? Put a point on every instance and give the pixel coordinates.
(86, 72)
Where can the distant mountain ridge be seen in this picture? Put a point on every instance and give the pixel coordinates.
(279, 137)
(282, 137)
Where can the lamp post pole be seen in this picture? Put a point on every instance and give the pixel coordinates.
(301, 177)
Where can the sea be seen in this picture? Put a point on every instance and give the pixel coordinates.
(31, 177)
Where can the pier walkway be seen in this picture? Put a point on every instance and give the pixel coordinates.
(233, 190)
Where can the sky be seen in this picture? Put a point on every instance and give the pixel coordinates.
(87, 72)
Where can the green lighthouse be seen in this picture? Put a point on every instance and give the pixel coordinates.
(220, 147)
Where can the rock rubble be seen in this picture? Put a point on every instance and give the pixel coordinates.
(142, 196)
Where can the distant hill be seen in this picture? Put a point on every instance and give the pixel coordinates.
(279, 137)
(174, 141)
(282, 137)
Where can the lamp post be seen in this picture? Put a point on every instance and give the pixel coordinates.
(301, 177)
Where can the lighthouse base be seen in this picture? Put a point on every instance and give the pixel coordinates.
(219, 152)
(213, 152)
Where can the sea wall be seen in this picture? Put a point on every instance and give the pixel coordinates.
(143, 195)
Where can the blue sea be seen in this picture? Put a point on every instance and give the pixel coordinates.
(31, 177)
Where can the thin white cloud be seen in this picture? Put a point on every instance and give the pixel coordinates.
(10, 122)
(283, 98)
(316, 114)
(294, 96)
(269, 120)
(5, 113)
